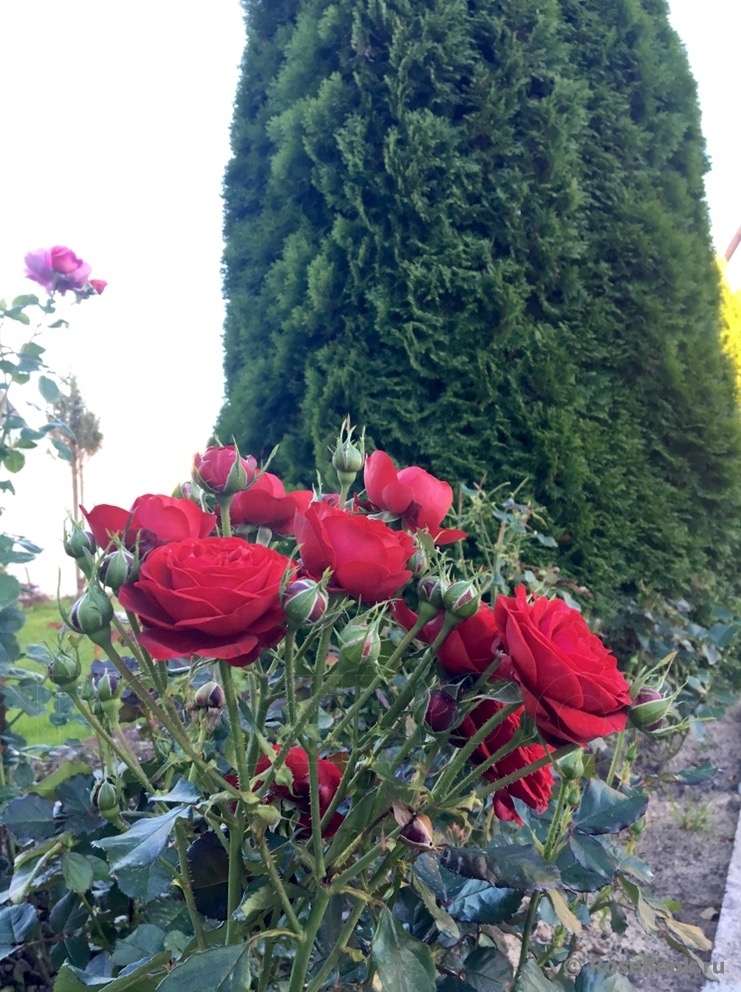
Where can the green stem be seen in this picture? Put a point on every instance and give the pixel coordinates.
(527, 931)
(463, 754)
(340, 944)
(235, 724)
(128, 757)
(290, 675)
(187, 887)
(234, 881)
(275, 879)
(617, 757)
(474, 778)
(305, 948)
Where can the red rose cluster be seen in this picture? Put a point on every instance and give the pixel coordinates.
(570, 683)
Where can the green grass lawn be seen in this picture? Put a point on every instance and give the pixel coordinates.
(41, 627)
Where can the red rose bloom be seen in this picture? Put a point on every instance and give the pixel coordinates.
(220, 470)
(570, 682)
(533, 789)
(217, 597)
(368, 560)
(421, 500)
(469, 648)
(266, 504)
(299, 792)
(152, 520)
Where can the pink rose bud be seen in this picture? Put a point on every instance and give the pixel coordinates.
(649, 709)
(107, 687)
(442, 711)
(98, 285)
(430, 590)
(304, 602)
(221, 470)
(418, 563)
(462, 599)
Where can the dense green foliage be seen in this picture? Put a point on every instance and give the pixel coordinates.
(478, 228)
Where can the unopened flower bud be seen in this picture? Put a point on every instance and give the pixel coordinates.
(92, 614)
(462, 599)
(209, 696)
(347, 457)
(222, 471)
(418, 833)
(418, 563)
(304, 602)
(118, 567)
(65, 669)
(441, 712)
(105, 798)
(107, 687)
(359, 644)
(79, 543)
(649, 710)
(571, 766)
(430, 590)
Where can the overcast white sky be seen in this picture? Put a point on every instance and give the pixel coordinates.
(115, 132)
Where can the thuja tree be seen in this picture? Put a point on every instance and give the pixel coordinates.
(478, 228)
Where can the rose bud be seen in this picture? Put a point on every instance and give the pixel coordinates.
(304, 602)
(430, 590)
(92, 614)
(65, 670)
(571, 766)
(359, 644)
(107, 687)
(649, 709)
(347, 458)
(418, 563)
(209, 696)
(418, 834)
(104, 797)
(79, 543)
(441, 712)
(118, 567)
(221, 470)
(462, 599)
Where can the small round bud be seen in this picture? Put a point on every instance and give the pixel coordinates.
(347, 458)
(418, 833)
(571, 766)
(462, 599)
(79, 543)
(442, 711)
(65, 669)
(92, 613)
(104, 797)
(649, 710)
(430, 590)
(118, 567)
(304, 602)
(359, 645)
(209, 696)
(107, 687)
(418, 564)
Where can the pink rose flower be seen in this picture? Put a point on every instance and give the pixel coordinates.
(58, 269)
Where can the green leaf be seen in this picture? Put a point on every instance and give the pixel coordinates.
(515, 866)
(592, 855)
(208, 864)
(17, 924)
(47, 787)
(147, 883)
(220, 969)
(487, 970)
(77, 871)
(141, 979)
(402, 963)
(141, 945)
(80, 816)
(62, 450)
(17, 314)
(450, 984)
(25, 300)
(143, 843)
(10, 590)
(48, 389)
(532, 979)
(590, 980)
(14, 460)
(480, 902)
(603, 810)
(182, 792)
(29, 818)
(691, 776)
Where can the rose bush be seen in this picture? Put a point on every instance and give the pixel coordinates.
(217, 597)
(266, 504)
(368, 561)
(152, 520)
(569, 681)
(418, 498)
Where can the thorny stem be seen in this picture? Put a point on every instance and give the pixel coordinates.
(185, 884)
